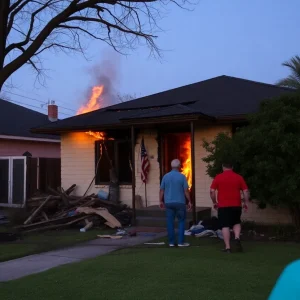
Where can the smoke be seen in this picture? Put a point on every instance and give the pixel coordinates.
(105, 73)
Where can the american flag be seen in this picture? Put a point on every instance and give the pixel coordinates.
(145, 166)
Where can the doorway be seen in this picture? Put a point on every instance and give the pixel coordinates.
(177, 145)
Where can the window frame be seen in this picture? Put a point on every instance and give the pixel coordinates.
(115, 159)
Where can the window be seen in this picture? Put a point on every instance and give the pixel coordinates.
(116, 153)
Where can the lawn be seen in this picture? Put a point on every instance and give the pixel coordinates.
(37, 243)
(199, 272)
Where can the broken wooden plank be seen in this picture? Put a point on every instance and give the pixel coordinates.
(41, 198)
(52, 221)
(44, 216)
(37, 211)
(53, 191)
(103, 212)
(107, 236)
(65, 198)
(50, 227)
(70, 189)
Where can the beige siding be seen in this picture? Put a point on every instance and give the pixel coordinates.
(78, 161)
(267, 216)
(203, 181)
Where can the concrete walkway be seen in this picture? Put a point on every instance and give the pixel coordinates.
(37, 263)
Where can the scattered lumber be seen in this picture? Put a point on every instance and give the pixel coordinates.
(37, 211)
(111, 221)
(59, 208)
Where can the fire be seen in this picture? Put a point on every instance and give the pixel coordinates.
(186, 164)
(92, 105)
(96, 134)
(93, 102)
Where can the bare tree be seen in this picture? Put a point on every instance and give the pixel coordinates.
(30, 27)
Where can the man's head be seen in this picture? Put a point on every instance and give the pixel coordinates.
(227, 166)
(175, 164)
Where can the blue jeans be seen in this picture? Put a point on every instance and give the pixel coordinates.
(176, 210)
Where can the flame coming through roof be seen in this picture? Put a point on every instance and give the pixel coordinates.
(94, 101)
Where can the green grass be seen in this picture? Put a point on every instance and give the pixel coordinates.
(37, 243)
(199, 272)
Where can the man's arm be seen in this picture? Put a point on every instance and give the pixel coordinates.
(162, 193)
(161, 196)
(213, 196)
(246, 196)
(245, 191)
(188, 196)
(187, 192)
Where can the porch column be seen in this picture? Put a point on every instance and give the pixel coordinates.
(193, 194)
(133, 173)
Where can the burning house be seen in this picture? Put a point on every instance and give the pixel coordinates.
(172, 123)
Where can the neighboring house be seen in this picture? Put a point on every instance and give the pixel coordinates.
(173, 124)
(27, 160)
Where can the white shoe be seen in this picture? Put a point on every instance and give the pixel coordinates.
(184, 245)
(171, 245)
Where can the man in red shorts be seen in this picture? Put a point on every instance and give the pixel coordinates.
(225, 192)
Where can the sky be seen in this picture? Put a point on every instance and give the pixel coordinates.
(242, 38)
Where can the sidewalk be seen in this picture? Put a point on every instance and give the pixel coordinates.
(37, 263)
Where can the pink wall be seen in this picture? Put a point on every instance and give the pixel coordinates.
(37, 149)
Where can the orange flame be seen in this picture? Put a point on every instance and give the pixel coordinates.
(97, 134)
(186, 157)
(92, 105)
(93, 102)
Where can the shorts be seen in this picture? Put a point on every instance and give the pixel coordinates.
(229, 216)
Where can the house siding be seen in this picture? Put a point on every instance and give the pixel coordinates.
(37, 149)
(78, 163)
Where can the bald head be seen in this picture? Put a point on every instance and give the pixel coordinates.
(175, 164)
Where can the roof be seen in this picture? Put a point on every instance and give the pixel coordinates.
(16, 120)
(218, 97)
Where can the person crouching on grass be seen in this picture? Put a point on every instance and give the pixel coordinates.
(174, 191)
(228, 203)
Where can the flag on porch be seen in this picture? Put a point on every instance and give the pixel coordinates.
(145, 166)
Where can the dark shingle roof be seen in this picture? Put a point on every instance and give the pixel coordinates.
(217, 97)
(16, 120)
(156, 112)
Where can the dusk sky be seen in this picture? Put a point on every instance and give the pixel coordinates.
(242, 38)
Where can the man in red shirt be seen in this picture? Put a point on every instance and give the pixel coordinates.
(225, 192)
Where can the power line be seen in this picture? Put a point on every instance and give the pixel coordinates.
(35, 106)
(34, 99)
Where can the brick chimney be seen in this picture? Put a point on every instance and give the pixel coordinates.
(52, 111)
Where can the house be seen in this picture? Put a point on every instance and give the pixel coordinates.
(27, 160)
(173, 124)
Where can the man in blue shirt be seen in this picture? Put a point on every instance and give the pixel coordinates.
(174, 191)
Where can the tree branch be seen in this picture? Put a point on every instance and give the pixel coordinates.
(14, 12)
(125, 30)
(28, 36)
(15, 5)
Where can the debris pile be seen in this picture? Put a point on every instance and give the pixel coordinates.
(60, 209)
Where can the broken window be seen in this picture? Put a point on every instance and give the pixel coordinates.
(118, 155)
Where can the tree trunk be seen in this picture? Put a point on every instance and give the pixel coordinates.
(4, 12)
